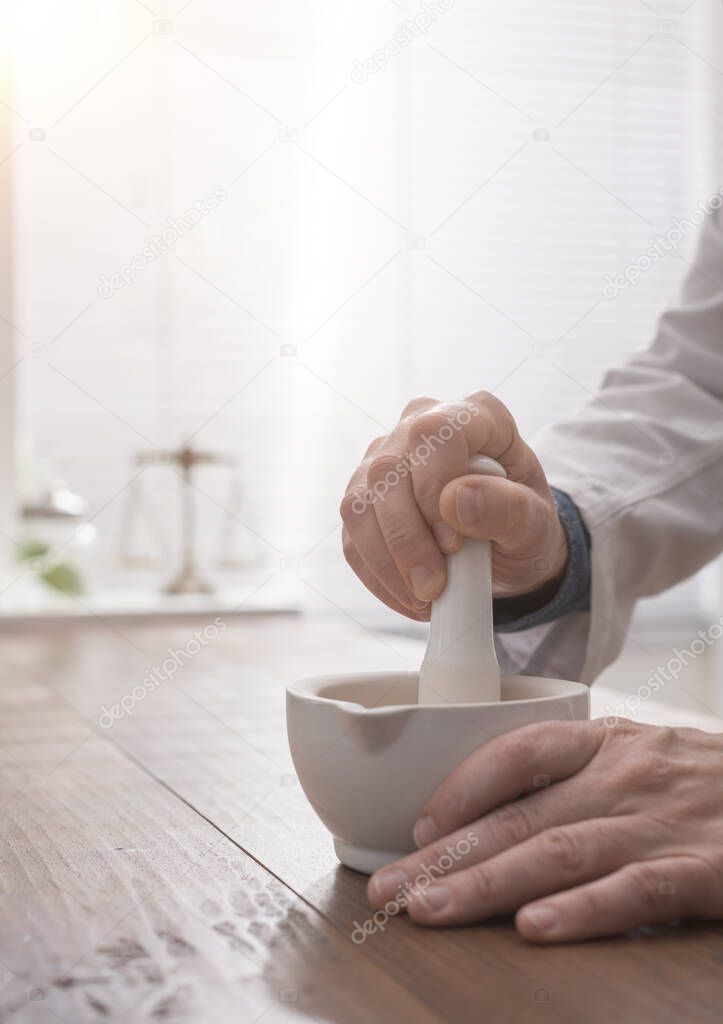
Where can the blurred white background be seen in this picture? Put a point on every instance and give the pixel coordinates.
(428, 219)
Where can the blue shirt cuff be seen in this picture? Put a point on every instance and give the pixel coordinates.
(573, 594)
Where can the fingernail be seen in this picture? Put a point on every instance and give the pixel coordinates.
(543, 918)
(436, 898)
(425, 583)
(469, 501)
(425, 831)
(387, 882)
(444, 535)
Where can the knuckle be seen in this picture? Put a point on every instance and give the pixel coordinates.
(491, 404)
(666, 736)
(416, 404)
(607, 727)
(646, 881)
(512, 823)
(480, 398)
(353, 504)
(382, 467)
(518, 747)
(438, 851)
(399, 537)
(384, 569)
(503, 415)
(618, 728)
(482, 884)
(426, 424)
(380, 561)
(652, 769)
(643, 769)
(561, 850)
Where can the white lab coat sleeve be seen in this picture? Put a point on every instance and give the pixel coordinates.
(643, 461)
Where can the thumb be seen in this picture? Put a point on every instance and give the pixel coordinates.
(491, 508)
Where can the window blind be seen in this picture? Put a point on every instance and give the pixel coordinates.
(421, 198)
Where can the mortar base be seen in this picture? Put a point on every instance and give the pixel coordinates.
(360, 858)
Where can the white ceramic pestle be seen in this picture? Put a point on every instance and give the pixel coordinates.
(460, 665)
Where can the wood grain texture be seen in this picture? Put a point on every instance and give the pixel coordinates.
(120, 903)
(214, 736)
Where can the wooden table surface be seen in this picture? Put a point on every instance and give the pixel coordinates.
(169, 868)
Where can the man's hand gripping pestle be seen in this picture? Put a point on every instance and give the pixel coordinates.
(460, 665)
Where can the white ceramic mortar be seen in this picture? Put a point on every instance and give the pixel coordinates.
(370, 748)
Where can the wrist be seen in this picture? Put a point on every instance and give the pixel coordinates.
(529, 602)
(561, 550)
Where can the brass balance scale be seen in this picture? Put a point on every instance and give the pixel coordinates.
(187, 579)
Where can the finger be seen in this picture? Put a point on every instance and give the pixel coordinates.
(488, 427)
(437, 453)
(441, 441)
(491, 508)
(556, 859)
(406, 535)
(504, 769)
(511, 825)
(648, 892)
(417, 611)
(357, 512)
(364, 532)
